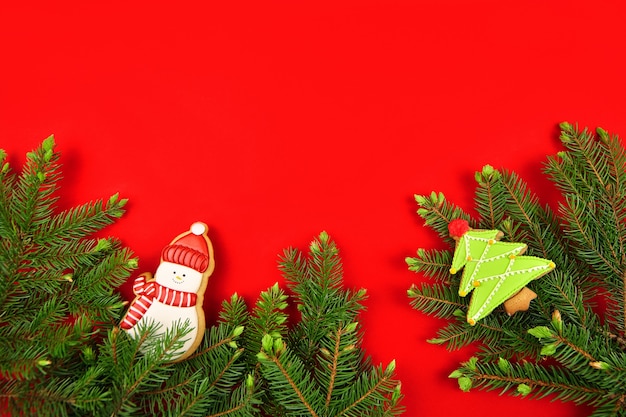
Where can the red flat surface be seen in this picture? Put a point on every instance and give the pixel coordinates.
(272, 121)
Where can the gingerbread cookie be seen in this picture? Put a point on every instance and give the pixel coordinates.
(495, 271)
(175, 294)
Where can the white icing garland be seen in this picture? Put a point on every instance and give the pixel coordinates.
(502, 276)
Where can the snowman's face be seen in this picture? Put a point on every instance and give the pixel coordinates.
(178, 277)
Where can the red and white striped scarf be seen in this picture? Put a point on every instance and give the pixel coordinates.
(148, 292)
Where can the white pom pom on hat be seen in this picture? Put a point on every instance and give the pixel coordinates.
(198, 228)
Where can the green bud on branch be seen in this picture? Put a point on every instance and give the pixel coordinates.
(48, 143)
(541, 332)
(465, 383)
(600, 365)
(524, 389)
(267, 342)
(549, 350)
(238, 331)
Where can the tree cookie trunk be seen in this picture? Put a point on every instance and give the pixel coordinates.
(520, 301)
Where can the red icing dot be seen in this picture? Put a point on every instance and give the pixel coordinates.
(458, 227)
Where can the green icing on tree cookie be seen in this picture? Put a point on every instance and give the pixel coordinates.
(494, 270)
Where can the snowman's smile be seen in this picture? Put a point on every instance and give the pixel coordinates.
(178, 280)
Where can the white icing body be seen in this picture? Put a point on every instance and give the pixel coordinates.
(170, 317)
(180, 278)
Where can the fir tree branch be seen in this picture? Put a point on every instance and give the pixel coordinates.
(572, 346)
(158, 355)
(619, 226)
(455, 336)
(144, 336)
(432, 263)
(619, 404)
(183, 383)
(321, 368)
(212, 347)
(439, 300)
(588, 242)
(226, 367)
(582, 143)
(381, 384)
(617, 154)
(490, 199)
(492, 222)
(623, 330)
(239, 405)
(618, 339)
(195, 400)
(113, 335)
(79, 222)
(523, 204)
(287, 377)
(46, 395)
(568, 297)
(613, 375)
(544, 384)
(56, 275)
(333, 369)
(437, 213)
(33, 191)
(232, 410)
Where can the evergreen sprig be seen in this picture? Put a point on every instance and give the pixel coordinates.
(56, 288)
(318, 368)
(586, 239)
(63, 354)
(61, 351)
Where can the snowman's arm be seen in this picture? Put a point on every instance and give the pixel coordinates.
(139, 285)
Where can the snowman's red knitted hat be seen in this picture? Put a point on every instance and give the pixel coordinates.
(190, 249)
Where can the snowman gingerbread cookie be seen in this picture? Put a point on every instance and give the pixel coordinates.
(174, 295)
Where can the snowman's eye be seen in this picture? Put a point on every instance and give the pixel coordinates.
(174, 272)
(184, 275)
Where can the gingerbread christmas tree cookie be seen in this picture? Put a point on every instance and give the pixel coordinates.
(495, 271)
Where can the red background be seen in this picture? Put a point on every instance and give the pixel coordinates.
(272, 121)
